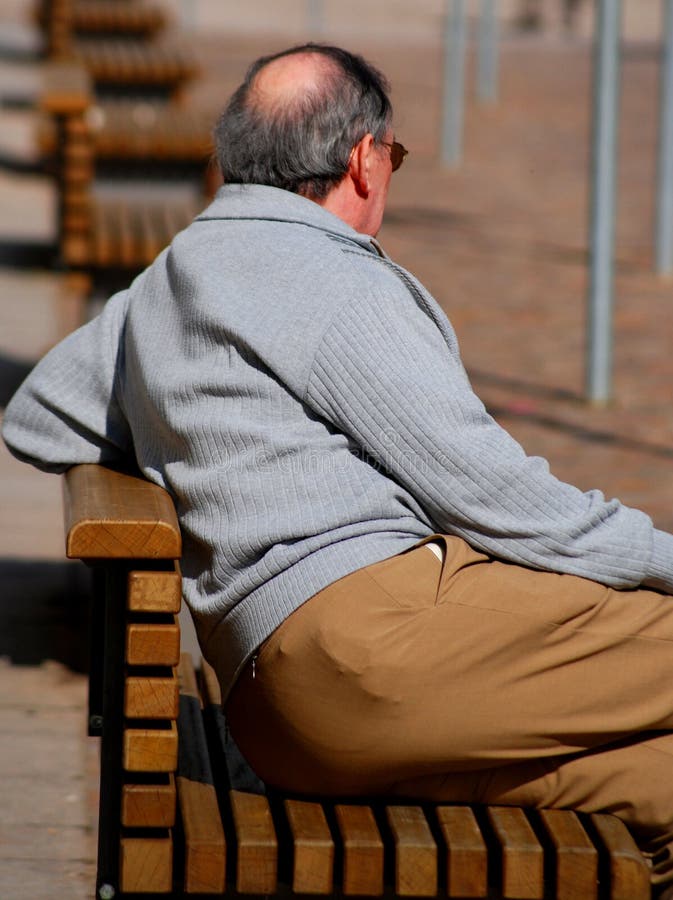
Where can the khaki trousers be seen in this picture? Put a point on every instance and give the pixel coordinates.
(471, 680)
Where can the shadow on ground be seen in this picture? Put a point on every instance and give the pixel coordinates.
(28, 254)
(12, 373)
(44, 612)
(20, 164)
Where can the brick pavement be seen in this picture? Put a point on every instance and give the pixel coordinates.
(501, 241)
(47, 832)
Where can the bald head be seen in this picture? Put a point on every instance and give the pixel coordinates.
(295, 119)
(284, 83)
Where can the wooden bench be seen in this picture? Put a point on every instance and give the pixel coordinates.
(177, 816)
(107, 232)
(126, 131)
(157, 64)
(134, 65)
(60, 20)
(134, 18)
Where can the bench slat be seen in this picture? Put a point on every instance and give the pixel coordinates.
(521, 853)
(150, 749)
(629, 875)
(102, 251)
(126, 61)
(466, 853)
(156, 592)
(149, 240)
(116, 516)
(257, 845)
(153, 644)
(151, 696)
(415, 852)
(126, 235)
(123, 16)
(362, 851)
(209, 685)
(146, 864)
(313, 857)
(205, 844)
(149, 805)
(576, 857)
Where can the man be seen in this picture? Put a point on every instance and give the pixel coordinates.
(394, 596)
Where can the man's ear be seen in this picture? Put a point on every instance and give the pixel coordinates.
(359, 164)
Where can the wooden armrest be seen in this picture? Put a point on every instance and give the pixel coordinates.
(66, 88)
(111, 515)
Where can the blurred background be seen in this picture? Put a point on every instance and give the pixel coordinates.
(104, 153)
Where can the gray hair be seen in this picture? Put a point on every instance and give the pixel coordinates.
(303, 146)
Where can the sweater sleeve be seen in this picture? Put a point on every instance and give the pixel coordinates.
(66, 411)
(388, 374)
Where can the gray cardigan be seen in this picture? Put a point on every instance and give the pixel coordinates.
(303, 400)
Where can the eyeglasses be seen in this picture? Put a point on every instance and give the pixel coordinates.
(397, 153)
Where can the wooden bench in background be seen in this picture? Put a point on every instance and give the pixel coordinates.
(127, 131)
(115, 231)
(162, 68)
(61, 20)
(122, 44)
(174, 813)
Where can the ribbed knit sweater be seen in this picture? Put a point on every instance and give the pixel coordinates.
(303, 400)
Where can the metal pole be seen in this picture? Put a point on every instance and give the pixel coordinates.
(189, 15)
(487, 52)
(315, 12)
(604, 166)
(664, 225)
(455, 29)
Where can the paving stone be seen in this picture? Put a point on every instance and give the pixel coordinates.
(34, 753)
(47, 799)
(52, 842)
(44, 879)
(47, 686)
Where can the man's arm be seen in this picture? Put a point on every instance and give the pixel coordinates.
(66, 411)
(388, 374)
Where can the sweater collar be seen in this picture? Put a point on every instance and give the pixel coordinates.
(264, 203)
